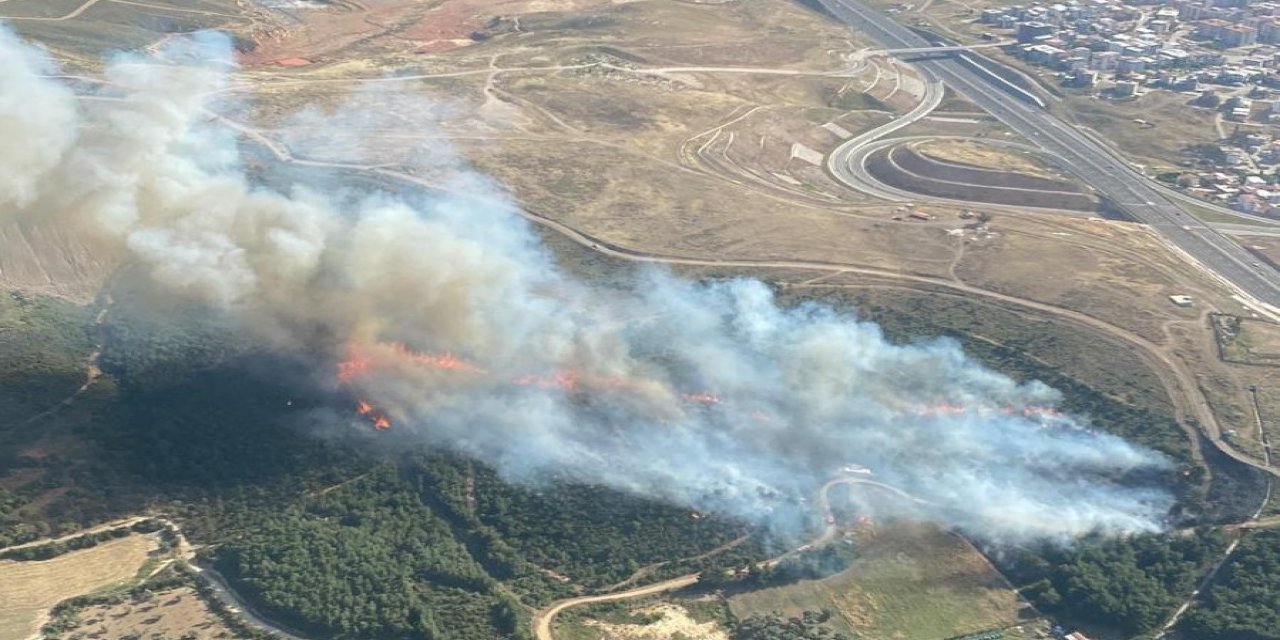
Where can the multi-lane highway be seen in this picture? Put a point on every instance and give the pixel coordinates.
(1110, 175)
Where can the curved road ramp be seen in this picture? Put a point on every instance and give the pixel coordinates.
(907, 168)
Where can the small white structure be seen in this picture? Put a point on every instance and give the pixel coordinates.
(1181, 300)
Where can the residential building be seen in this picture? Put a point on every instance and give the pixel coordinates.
(1031, 31)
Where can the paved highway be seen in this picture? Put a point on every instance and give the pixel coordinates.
(848, 163)
(1128, 190)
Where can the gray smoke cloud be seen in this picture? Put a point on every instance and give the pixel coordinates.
(461, 330)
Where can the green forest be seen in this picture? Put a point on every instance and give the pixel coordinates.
(1244, 601)
(1131, 584)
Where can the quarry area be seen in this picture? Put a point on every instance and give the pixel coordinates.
(542, 319)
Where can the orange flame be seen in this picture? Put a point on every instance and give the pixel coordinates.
(444, 360)
(379, 420)
(352, 368)
(359, 363)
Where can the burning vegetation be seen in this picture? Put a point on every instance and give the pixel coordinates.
(710, 395)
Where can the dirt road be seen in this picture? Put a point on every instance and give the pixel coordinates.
(542, 621)
(1255, 521)
(74, 13)
(223, 591)
(114, 524)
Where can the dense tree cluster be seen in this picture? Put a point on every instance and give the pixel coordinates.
(1130, 583)
(44, 345)
(596, 536)
(416, 548)
(398, 553)
(730, 572)
(158, 342)
(813, 564)
(1244, 601)
(85, 541)
(808, 626)
(367, 560)
(423, 545)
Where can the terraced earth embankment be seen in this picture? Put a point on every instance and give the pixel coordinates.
(907, 168)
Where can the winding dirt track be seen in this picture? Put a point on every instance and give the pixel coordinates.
(1255, 521)
(114, 524)
(185, 552)
(542, 621)
(222, 590)
(74, 13)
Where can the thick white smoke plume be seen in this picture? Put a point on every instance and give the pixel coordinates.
(460, 329)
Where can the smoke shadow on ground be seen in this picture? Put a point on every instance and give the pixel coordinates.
(1236, 489)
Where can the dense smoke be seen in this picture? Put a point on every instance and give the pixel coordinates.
(461, 330)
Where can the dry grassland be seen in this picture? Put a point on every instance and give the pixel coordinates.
(1177, 125)
(986, 156)
(1122, 274)
(1262, 338)
(39, 8)
(173, 613)
(911, 582)
(1266, 246)
(28, 589)
(982, 128)
(640, 204)
(1252, 358)
(673, 621)
(49, 258)
(1118, 272)
(110, 26)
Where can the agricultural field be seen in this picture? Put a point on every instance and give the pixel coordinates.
(911, 582)
(29, 589)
